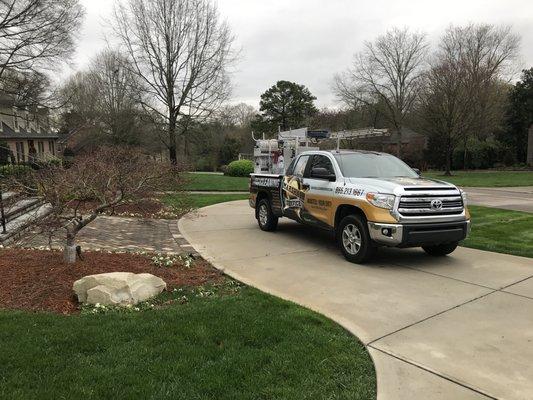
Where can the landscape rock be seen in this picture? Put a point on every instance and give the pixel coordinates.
(118, 288)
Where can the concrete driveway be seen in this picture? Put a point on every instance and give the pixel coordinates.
(459, 327)
(510, 198)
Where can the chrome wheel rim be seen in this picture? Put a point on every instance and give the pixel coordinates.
(263, 215)
(351, 239)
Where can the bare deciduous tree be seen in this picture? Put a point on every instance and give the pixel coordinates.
(240, 115)
(37, 34)
(180, 49)
(464, 91)
(95, 183)
(119, 93)
(386, 74)
(105, 99)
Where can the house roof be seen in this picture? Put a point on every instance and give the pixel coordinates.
(9, 133)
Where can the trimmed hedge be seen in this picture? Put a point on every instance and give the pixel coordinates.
(240, 168)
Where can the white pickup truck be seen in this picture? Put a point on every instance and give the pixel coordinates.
(368, 199)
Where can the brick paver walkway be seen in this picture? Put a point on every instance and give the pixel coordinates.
(124, 234)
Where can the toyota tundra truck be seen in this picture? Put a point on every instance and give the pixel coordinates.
(368, 199)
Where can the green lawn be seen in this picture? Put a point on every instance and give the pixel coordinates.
(191, 200)
(501, 231)
(219, 183)
(485, 178)
(211, 182)
(246, 345)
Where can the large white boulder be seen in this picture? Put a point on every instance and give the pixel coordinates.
(118, 288)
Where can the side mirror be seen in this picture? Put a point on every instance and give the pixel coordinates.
(417, 171)
(322, 173)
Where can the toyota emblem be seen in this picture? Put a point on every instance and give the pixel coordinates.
(436, 204)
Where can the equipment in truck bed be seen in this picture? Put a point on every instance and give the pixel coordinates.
(273, 156)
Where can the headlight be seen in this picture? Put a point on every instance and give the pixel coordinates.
(463, 195)
(381, 200)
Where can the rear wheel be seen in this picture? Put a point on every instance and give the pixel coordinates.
(354, 239)
(265, 217)
(441, 249)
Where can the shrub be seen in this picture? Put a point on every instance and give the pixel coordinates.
(14, 169)
(53, 162)
(483, 155)
(240, 168)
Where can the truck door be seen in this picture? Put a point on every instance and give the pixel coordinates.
(293, 189)
(320, 179)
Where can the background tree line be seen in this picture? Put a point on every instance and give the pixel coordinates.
(459, 94)
(166, 86)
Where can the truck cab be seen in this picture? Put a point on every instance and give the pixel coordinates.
(369, 199)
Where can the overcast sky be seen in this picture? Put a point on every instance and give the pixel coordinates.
(308, 41)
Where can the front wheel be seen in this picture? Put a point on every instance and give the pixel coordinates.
(354, 239)
(441, 249)
(265, 217)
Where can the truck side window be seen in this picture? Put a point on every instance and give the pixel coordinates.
(290, 169)
(322, 162)
(299, 168)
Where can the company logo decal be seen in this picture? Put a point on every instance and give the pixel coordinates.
(266, 182)
(294, 193)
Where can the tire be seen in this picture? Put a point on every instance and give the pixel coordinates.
(354, 240)
(441, 249)
(265, 217)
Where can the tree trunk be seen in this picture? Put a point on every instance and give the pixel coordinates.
(399, 145)
(448, 171)
(172, 150)
(69, 252)
(529, 151)
(465, 153)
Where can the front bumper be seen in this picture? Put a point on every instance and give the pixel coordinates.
(415, 235)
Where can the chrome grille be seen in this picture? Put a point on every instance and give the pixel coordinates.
(442, 203)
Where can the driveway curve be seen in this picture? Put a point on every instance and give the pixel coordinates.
(459, 327)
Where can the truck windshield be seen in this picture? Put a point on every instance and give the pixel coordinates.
(373, 165)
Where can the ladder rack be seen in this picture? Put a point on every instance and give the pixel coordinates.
(274, 155)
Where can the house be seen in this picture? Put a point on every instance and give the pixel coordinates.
(26, 132)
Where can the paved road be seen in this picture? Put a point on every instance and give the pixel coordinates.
(510, 198)
(459, 327)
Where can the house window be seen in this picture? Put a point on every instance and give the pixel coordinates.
(21, 157)
(40, 148)
(32, 152)
(52, 147)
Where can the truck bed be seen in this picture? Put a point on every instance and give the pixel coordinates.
(271, 184)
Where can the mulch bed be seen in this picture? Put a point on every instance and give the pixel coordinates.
(39, 280)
